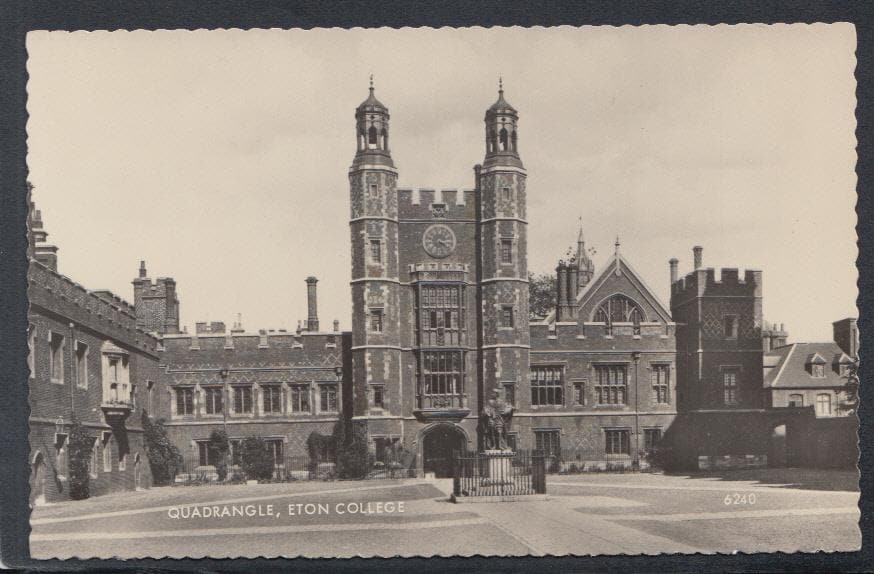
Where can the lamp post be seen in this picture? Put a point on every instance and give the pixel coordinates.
(636, 356)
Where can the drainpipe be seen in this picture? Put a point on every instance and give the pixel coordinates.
(636, 356)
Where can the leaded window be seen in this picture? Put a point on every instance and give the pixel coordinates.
(548, 442)
(617, 441)
(272, 399)
(729, 386)
(661, 380)
(243, 399)
(185, 401)
(328, 398)
(441, 315)
(442, 375)
(611, 384)
(547, 385)
(619, 309)
(213, 400)
(300, 398)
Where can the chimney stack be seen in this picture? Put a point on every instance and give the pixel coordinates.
(846, 335)
(673, 263)
(336, 325)
(312, 305)
(697, 251)
(561, 299)
(143, 274)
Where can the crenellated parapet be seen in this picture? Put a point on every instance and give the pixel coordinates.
(704, 282)
(431, 204)
(100, 311)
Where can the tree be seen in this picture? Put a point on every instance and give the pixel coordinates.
(257, 459)
(851, 388)
(218, 447)
(164, 457)
(81, 449)
(352, 451)
(541, 295)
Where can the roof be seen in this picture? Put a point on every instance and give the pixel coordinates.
(789, 365)
(501, 105)
(618, 263)
(371, 104)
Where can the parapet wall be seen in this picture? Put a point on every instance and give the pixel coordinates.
(428, 203)
(704, 282)
(100, 311)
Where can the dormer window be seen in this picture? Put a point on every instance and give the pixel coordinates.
(816, 366)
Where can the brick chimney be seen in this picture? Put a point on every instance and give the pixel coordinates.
(673, 263)
(697, 253)
(312, 305)
(846, 335)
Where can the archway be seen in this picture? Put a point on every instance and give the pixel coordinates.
(777, 447)
(38, 480)
(438, 445)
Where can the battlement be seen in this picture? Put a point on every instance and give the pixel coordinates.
(99, 310)
(240, 341)
(428, 203)
(705, 282)
(160, 287)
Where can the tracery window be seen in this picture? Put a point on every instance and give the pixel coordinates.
(619, 309)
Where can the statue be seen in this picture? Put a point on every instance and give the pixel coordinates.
(495, 423)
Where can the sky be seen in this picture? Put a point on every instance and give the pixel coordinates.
(221, 157)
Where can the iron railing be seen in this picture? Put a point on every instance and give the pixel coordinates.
(505, 474)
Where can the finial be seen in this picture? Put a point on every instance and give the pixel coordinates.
(371, 83)
(500, 85)
(617, 244)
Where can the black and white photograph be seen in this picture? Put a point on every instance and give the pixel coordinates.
(497, 291)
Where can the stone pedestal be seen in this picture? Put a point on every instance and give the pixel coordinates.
(499, 467)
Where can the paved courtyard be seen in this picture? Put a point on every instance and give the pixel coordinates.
(584, 514)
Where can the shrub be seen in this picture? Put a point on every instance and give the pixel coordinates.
(164, 457)
(257, 459)
(218, 447)
(80, 451)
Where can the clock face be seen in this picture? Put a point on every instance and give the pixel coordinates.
(438, 241)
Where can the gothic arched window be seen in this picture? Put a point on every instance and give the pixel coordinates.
(619, 309)
(502, 135)
(492, 141)
(371, 136)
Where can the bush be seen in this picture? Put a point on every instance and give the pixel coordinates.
(218, 447)
(257, 459)
(80, 451)
(164, 457)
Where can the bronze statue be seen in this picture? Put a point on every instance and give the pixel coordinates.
(495, 423)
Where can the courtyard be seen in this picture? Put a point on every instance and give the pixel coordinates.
(752, 511)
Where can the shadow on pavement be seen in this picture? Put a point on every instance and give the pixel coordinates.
(802, 478)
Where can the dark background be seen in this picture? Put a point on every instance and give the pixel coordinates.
(19, 16)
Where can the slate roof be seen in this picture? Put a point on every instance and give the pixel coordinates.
(789, 365)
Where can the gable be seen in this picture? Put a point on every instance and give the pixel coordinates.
(618, 278)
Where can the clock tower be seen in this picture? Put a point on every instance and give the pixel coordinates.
(503, 269)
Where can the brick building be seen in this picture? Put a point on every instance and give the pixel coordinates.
(800, 375)
(440, 320)
(91, 362)
(278, 385)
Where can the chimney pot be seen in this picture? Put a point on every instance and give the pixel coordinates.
(312, 305)
(673, 264)
(697, 252)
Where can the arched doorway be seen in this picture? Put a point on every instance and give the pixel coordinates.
(137, 470)
(437, 447)
(777, 447)
(38, 480)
